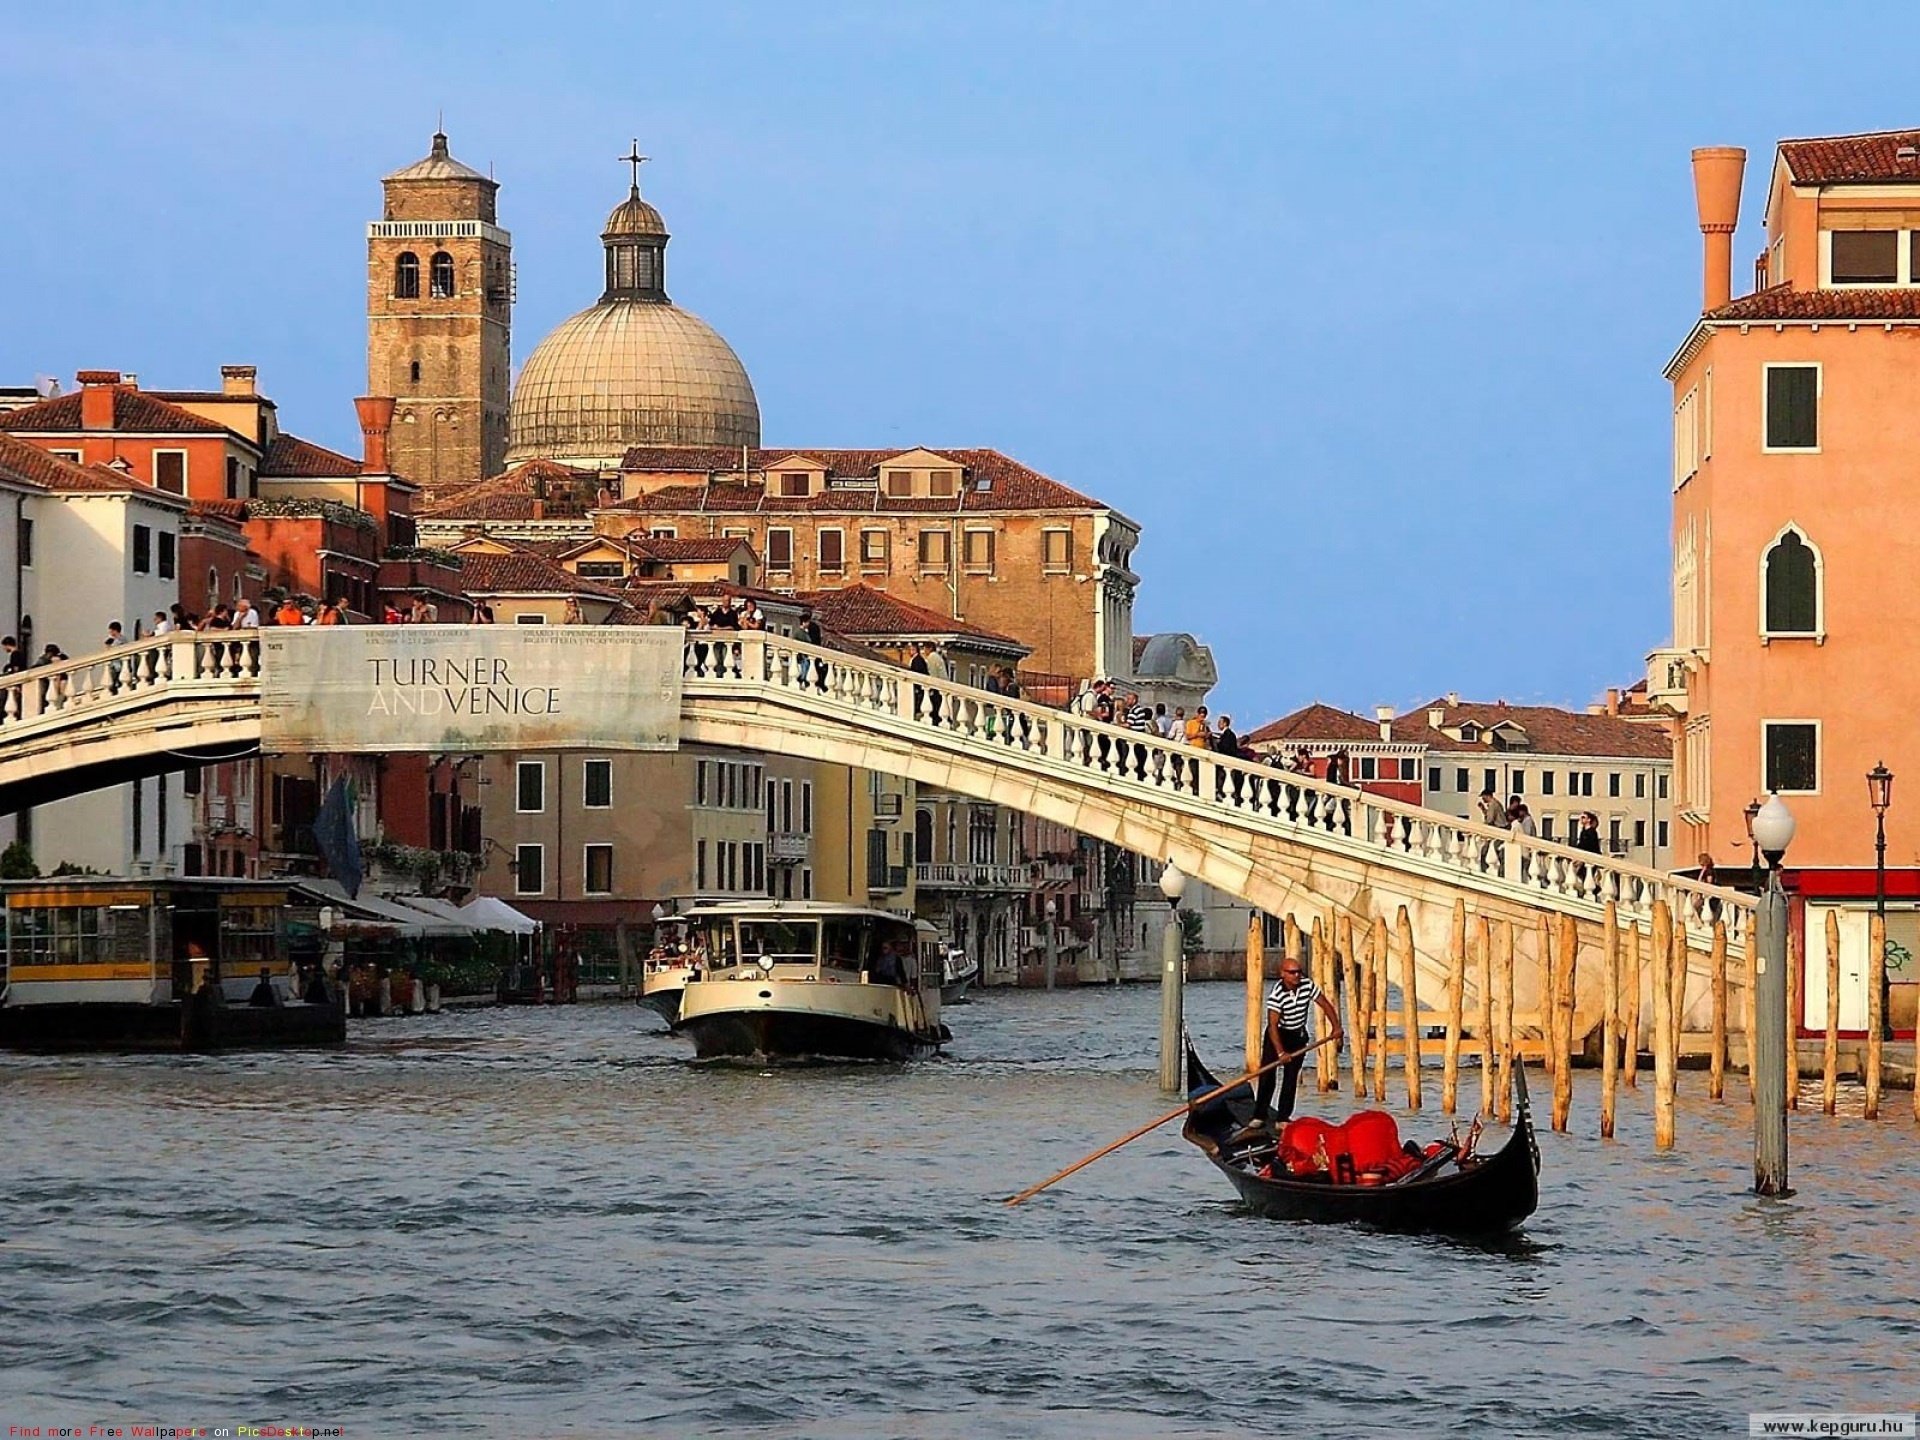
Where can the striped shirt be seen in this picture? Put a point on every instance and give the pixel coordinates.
(1295, 1006)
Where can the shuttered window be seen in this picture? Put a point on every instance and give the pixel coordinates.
(833, 548)
(1866, 257)
(935, 549)
(779, 549)
(1793, 407)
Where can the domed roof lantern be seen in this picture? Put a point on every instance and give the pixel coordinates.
(635, 238)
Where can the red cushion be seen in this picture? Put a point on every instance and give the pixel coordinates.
(1373, 1137)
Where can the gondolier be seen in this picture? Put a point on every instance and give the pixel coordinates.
(1290, 1006)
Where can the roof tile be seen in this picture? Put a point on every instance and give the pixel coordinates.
(1782, 302)
(134, 412)
(1854, 159)
(868, 614)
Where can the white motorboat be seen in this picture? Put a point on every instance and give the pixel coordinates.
(807, 978)
(958, 971)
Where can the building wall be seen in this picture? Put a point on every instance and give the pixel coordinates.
(1853, 502)
(1642, 811)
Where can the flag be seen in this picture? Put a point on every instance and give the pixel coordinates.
(339, 840)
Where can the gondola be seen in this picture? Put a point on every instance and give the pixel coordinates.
(1484, 1195)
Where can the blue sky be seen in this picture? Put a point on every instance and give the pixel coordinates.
(1360, 310)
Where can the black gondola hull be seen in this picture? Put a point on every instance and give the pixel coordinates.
(1492, 1197)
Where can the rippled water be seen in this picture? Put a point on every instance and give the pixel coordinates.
(548, 1222)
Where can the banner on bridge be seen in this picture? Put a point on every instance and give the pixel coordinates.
(469, 687)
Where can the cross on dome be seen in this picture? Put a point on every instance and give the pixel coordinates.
(634, 158)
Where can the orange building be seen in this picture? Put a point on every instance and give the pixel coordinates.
(1796, 428)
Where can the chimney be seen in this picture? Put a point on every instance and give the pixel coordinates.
(539, 508)
(376, 420)
(1613, 700)
(238, 380)
(96, 398)
(1453, 697)
(1436, 717)
(1717, 171)
(1383, 715)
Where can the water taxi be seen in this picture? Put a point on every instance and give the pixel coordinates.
(958, 971)
(792, 979)
(139, 964)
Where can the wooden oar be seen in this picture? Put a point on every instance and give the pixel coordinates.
(1153, 1125)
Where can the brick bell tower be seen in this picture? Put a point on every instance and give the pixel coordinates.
(439, 320)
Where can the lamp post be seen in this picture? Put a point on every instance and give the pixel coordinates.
(1880, 796)
(1772, 832)
(1173, 884)
(1051, 940)
(1751, 812)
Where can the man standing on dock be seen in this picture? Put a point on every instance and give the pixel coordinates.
(1290, 1005)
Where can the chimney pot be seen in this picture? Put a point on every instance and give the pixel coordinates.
(1383, 716)
(376, 422)
(1717, 172)
(239, 380)
(1453, 697)
(1436, 717)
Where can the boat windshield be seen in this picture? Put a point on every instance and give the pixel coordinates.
(714, 945)
(846, 945)
(791, 942)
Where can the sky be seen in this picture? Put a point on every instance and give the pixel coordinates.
(1359, 310)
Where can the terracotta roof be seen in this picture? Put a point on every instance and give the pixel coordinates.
(232, 511)
(1782, 302)
(1853, 159)
(672, 550)
(209, 397)
(291, 456)
(511, 495)
(525, 574)
(134, 412)
(1324, 724)
(23, 461)
(1552, 731)
(868, 614)
(1010, 485)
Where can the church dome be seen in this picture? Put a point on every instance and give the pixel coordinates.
(634, 369)
(630, 372)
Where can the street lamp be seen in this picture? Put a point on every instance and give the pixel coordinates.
(1173, 884)
(1753, 810)
(1880, 796)
(1773, 829)
(1052, 940)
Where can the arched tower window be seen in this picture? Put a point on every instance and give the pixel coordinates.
(406, 276)
(442, 277)
(1791, 585)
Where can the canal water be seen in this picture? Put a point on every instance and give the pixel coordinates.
(548, 1222)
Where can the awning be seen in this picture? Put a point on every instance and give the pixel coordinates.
(405, 919)
(485, 912)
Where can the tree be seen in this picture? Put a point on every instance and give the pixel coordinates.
(16, 863)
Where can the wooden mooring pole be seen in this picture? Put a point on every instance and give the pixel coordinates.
(1409, 1006)
(1256, 986)
(1717, 1061)
(1796, 1012)
(1350, 984)
(1830, 1049)
(1379, 953)
(1630, 1011)
(1610, 1018)
(1663, 1056)
(1503, 1021)
(1456, 1000)
(1326, 1063)
(1876, 1013)
(1565, 971)
(1747, 1005)
(1484, 941)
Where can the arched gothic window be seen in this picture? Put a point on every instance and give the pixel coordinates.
(442, 276)
(406, 276)
(1792, 583)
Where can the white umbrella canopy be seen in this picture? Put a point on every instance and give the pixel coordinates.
(490, 913)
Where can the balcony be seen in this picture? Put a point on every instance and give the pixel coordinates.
(787, 848)
(1667, 672)
(1014, 878)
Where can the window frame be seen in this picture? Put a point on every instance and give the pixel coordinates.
(1063, 566)
(520, 853)
(587, 886)
(434, 292)
(140, 550)
(185, 466)
(944, 564)
(1766, 404)
(166, 555)
(884, 560)
(778, 566)
(967, 536)
(838, 564)
(1818, 634)
(588, 768)
(406, 275)
(521, 769)
(1819, 752)
(1902, 260)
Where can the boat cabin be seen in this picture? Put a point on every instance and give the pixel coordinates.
(835, 944)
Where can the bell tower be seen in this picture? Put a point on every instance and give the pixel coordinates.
(439, 320)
